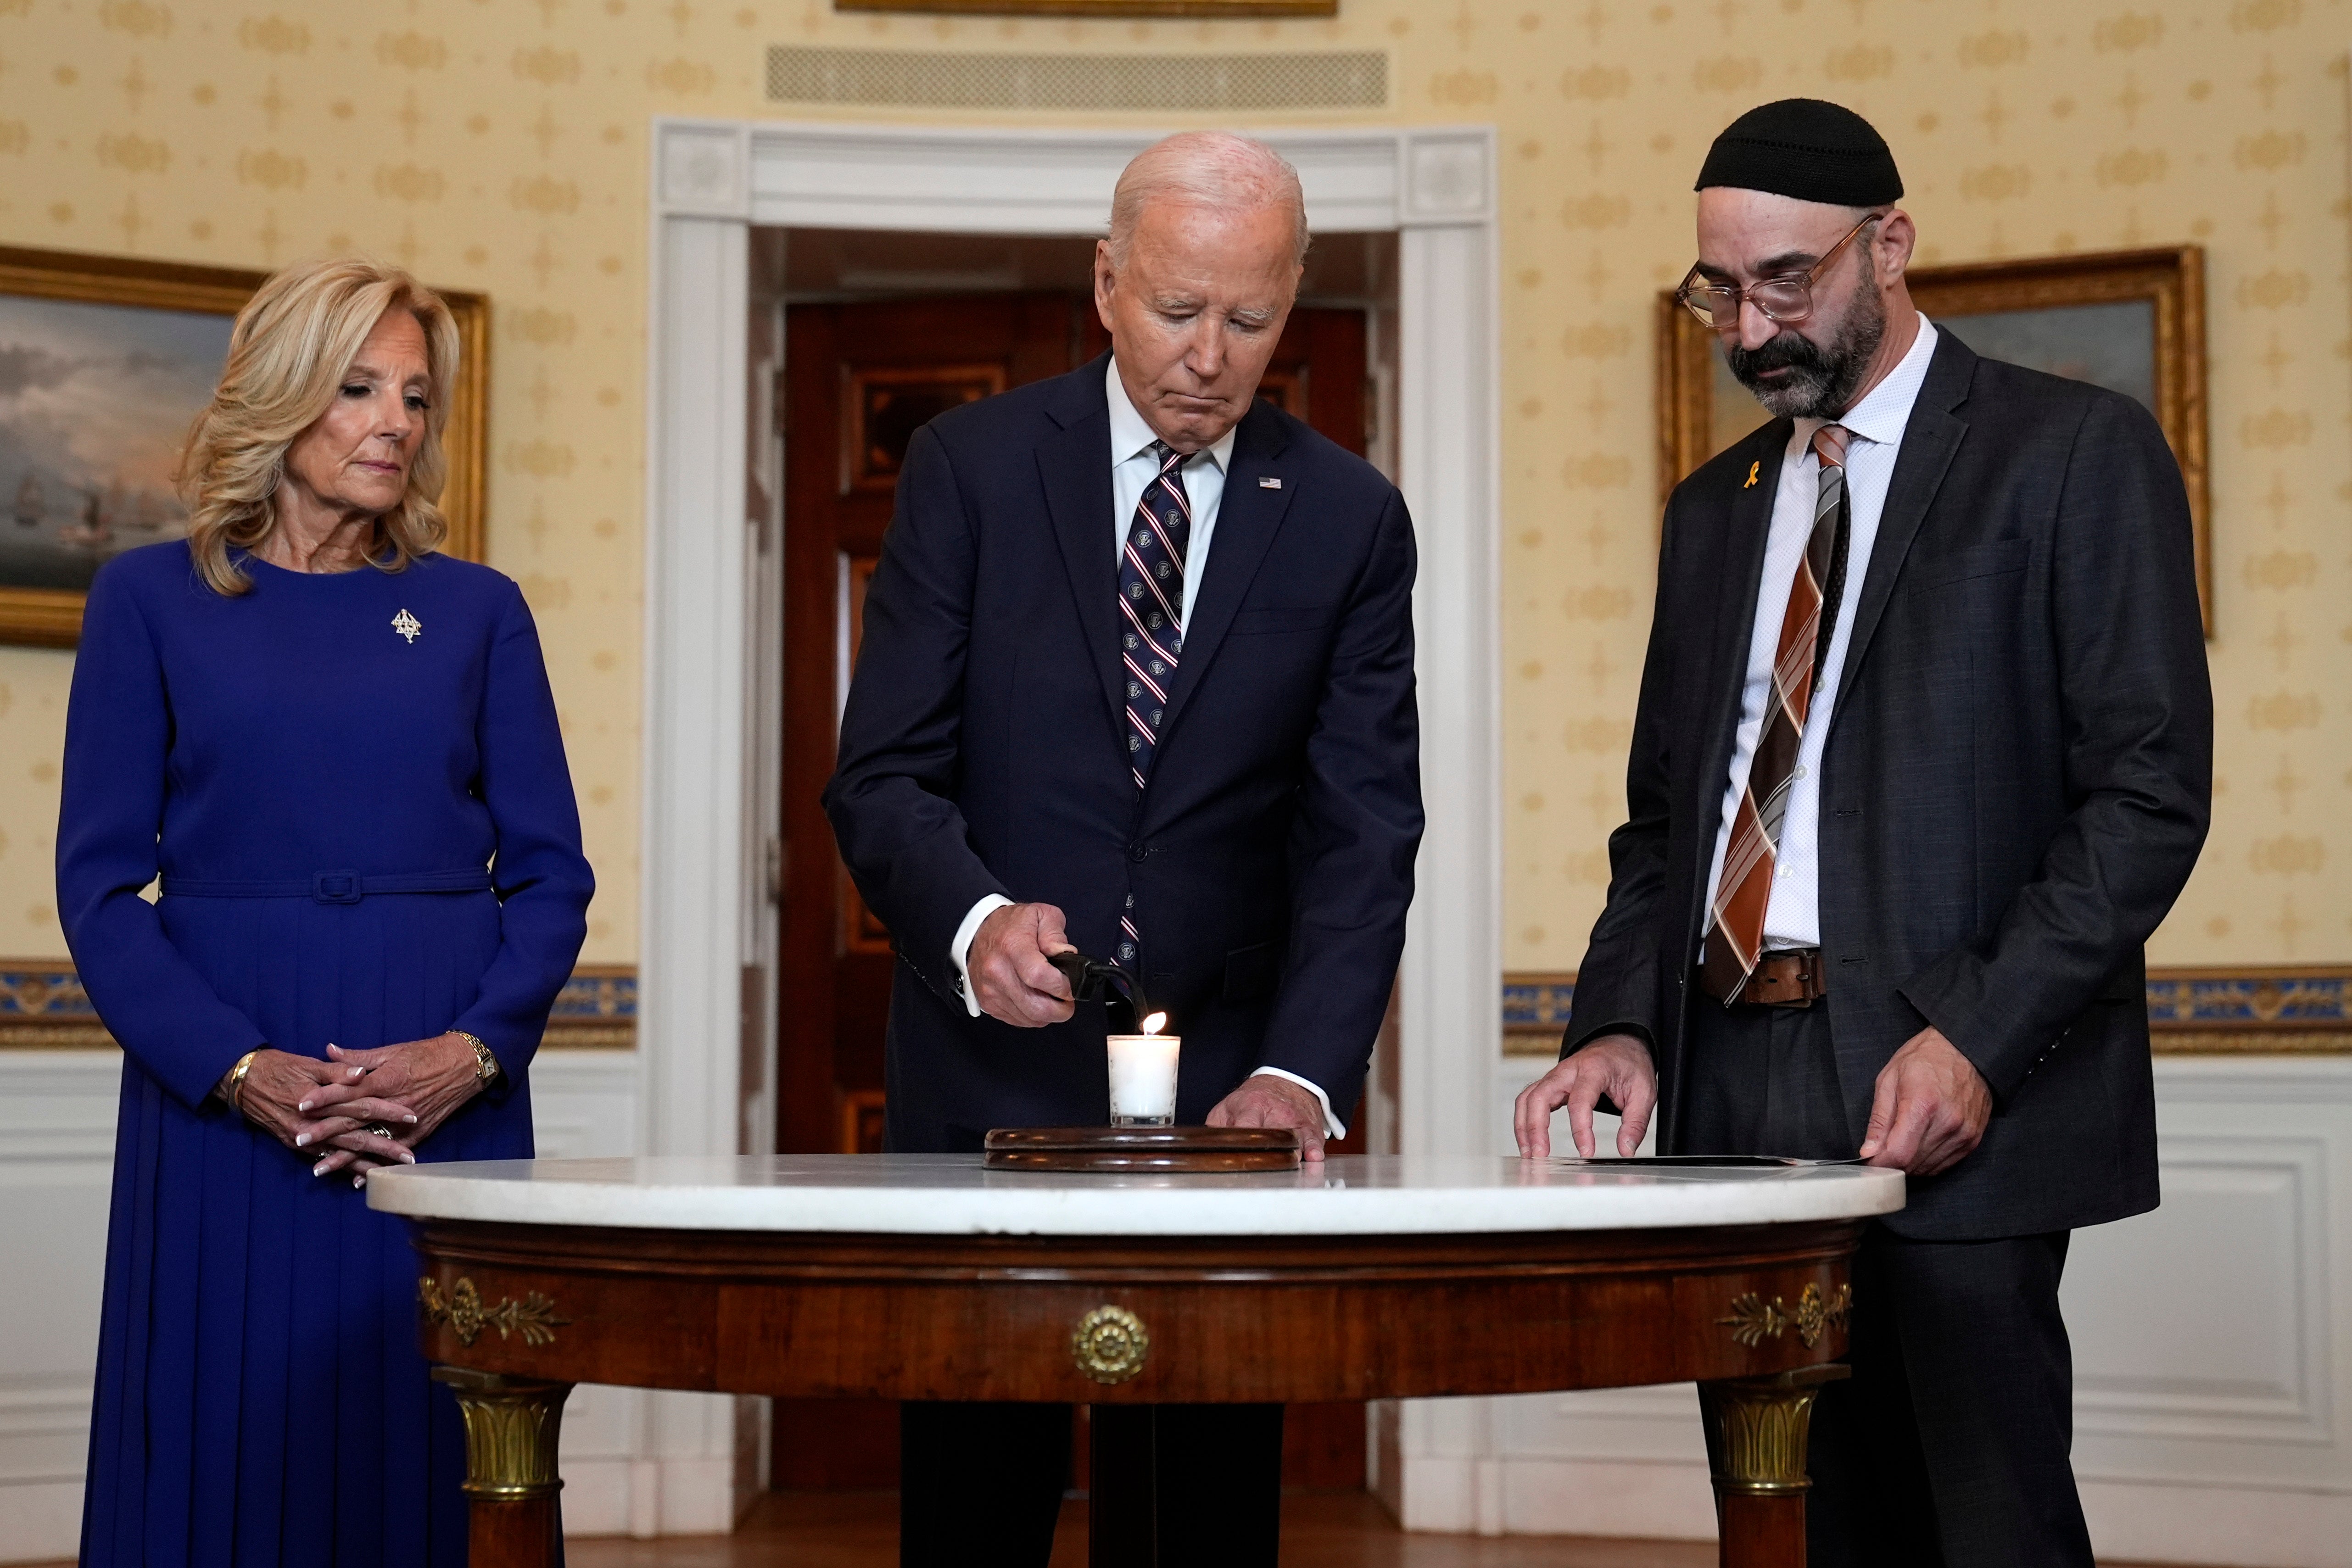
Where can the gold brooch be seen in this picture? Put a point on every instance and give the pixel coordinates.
(407, 625)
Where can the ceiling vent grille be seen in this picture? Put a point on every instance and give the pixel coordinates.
(926, 79)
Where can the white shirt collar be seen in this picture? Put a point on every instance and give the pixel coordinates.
(1129, 434)
(1885, 409)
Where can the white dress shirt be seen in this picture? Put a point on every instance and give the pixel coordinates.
(1793, 916)
(1133, 467)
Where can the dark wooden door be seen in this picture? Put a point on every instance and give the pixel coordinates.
(859, 380)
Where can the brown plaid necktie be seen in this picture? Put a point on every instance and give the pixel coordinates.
(1734, 930)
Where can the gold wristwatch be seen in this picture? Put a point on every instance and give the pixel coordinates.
(486, 1066)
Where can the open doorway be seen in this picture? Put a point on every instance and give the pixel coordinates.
(881, 331)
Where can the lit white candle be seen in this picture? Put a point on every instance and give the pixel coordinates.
(1143, 1075)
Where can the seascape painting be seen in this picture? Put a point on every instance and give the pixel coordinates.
(105, 361)
(95, 402)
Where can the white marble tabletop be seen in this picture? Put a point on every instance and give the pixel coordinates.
(951, 1195)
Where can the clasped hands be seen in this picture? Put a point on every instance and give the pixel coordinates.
(1928, 1110)
(330, 1106)
(1007, 972)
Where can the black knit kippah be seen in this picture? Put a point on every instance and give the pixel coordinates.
(1804, 147)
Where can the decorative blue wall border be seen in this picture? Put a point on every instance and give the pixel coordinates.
(2189, 1012)
(2196, 999)
(44, 1007)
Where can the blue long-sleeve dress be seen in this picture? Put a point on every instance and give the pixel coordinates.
(260, 1397)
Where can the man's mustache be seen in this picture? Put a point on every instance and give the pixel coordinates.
(1789, 349)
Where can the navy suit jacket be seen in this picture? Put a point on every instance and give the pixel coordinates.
(2017, 780)
(983, 751)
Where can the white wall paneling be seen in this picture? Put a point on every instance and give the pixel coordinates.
(2210, 1390)
(57, 1164)
(715, 179)
(56, 1156)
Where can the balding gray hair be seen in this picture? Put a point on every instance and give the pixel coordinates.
(1212, 168)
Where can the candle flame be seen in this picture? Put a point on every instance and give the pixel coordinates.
(1154, 1023)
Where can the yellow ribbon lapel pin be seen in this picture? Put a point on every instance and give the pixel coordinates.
(1753, 469)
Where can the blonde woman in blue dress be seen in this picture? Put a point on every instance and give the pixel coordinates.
(338, 748)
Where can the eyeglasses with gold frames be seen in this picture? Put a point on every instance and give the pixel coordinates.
(1787, 300)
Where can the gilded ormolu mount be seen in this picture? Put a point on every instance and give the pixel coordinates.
(1754, 1320)
(534, 1317)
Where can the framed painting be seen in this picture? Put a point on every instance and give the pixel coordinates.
(104, 363)
(2132, 321)
(1133, 10)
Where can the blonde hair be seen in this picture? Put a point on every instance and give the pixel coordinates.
(1213, 169)
(292, 345)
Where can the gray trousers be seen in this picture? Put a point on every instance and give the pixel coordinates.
(1949, 1447)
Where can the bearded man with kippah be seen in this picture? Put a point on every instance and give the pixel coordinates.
(1923, 754)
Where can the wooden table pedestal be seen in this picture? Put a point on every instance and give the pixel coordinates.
(1756, 1432)
(513, 1427)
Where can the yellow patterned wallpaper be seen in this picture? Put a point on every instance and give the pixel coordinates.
(500, 145)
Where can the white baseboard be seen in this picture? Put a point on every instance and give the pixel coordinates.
(698, 1495)
(1598, 1496)
(1434, 1493)
(596, 1496)
(40, 1522)
(2239, 1526)
(1557, 1497)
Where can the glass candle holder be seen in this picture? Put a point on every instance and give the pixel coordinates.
(1143, 1076)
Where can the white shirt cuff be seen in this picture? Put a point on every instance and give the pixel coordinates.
(1331, 1127)
(961, 948)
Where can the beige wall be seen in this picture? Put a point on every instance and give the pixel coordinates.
(500, 145)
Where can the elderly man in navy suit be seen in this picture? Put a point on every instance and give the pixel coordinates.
(1137, 678)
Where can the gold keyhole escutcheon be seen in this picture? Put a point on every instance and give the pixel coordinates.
(1110, 1344)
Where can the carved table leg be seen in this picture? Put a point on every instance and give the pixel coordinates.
(1756, 1430)
(511, 1424)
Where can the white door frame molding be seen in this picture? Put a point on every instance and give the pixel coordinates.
(712, 182)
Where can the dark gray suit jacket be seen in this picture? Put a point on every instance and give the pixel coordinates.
(2016, 782)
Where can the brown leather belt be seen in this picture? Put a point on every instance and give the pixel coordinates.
(1790, 978)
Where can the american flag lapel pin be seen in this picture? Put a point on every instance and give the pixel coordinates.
(1269, 483)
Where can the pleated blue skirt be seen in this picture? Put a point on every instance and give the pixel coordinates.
(260, 1396)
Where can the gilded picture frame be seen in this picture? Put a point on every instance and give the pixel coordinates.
(1128, 10)
(150, 331)
(2134, 319)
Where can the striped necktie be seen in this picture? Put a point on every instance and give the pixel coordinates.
(1151, 630)
(1734, 934)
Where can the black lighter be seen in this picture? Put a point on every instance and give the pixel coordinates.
(1093, 980)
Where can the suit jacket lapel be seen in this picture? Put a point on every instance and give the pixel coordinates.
(1930, 441)
(1248, 518)
(1074, 466)
(1749, 531)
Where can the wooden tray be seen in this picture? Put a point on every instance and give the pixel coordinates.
(1133, 1150)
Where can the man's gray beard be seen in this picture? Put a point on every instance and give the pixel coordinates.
(1822, 380)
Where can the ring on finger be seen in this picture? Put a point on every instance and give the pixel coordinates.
(380, 1130)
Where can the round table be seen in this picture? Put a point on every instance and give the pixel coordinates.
(929, 1277)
